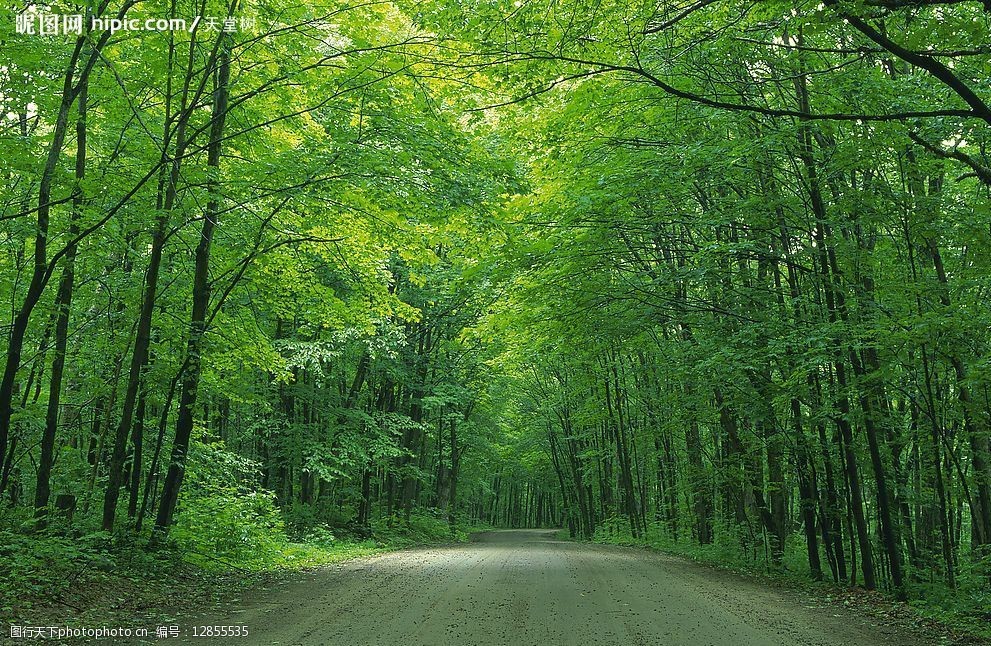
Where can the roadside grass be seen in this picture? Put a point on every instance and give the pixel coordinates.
(963, 613)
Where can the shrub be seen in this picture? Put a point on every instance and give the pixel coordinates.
(223, 518)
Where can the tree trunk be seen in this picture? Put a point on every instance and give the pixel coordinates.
(201, 299)
(63, 306)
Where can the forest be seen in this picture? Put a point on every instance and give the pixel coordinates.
(711, 276)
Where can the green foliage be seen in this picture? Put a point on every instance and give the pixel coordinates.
(41, 569)
(35, 567)
(420, 529)
(235, 528)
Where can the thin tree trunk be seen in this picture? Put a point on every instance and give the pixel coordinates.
(201, 299)
(63, 307)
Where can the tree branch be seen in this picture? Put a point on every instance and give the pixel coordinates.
(981, 171)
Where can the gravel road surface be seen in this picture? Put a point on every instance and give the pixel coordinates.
(523, 588)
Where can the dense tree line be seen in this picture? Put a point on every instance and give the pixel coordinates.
(755, 286)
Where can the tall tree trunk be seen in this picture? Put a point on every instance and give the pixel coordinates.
(39, 275)
(167, 195)
(63, 307)
(201, 299)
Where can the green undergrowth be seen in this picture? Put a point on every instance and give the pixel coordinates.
(79, 576)
(965, 612)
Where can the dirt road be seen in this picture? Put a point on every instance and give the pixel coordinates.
(523, 588)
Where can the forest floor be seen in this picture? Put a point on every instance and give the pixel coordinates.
(524, 588)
